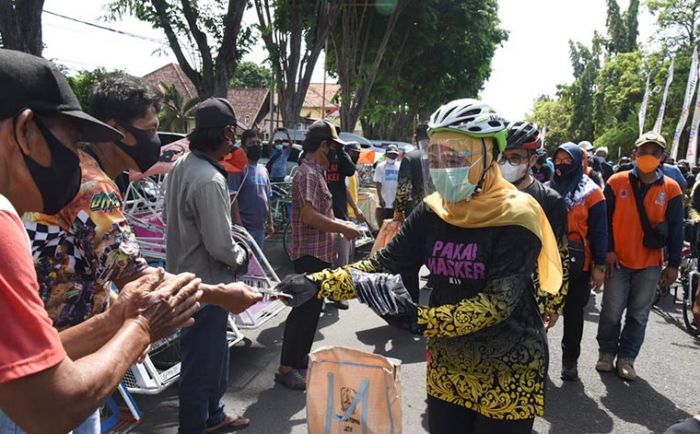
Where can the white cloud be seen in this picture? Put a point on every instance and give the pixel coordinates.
(536, 56)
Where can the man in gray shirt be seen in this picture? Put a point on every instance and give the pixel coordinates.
(198, 237)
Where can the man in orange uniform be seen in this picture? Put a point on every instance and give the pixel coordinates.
(645, 214)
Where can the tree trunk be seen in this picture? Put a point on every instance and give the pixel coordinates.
(20, 25)
(284, 38)
(356, 78)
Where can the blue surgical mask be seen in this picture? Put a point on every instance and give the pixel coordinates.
(279, 147)
(453, 183)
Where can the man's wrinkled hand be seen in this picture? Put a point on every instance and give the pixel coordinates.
(237, 297)
(350, 231)
(131, 296)
(170, 306)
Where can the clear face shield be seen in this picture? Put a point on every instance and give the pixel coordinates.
(453, 164)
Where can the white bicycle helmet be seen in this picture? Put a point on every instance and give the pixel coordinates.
(471, 117)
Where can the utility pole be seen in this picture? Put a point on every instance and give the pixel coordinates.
(325, 66)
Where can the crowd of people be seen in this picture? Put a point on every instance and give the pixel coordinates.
(513, 238)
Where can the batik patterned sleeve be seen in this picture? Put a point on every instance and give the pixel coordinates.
(488, 308)
(399, 256)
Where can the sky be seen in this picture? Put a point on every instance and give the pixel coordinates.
(531, 63)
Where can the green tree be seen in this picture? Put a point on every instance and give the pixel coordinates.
(631, 17)
(176, 112)
(250, 75)
(618, 91)
(579, 94)
(84, 81)
(617, 34)
(407, 88)
(294, 33)
(199, 23)
(678, 21)
(20, 25)
(359, 42)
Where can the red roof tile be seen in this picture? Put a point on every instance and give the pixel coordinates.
(172, 74)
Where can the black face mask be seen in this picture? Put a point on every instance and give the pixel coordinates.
(60, 183)
(254, 152)
(146, 152)
(332, 155)
(355, 158)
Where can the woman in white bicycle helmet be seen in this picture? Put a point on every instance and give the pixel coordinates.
(482, 240)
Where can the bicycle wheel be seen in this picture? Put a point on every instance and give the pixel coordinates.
(287, 240)
(689, 286)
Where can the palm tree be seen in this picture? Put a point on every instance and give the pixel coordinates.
(174, 115)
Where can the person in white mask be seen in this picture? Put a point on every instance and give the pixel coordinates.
(386, 178)
(516, 164)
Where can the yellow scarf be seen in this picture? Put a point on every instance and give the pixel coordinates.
(500, 204)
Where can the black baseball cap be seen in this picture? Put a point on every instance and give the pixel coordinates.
(30, 82)
(214, 113)
(324, 130)
(353, 146)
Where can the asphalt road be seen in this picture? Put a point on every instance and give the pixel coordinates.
(666, 391)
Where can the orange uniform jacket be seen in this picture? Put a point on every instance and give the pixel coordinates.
(663, 200)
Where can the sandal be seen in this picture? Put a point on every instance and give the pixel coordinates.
(230, 423)
(291, 379)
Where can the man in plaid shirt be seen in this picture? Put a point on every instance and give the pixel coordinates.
(313, 248)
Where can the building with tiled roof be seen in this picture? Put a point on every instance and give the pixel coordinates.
(171, 73)
(252, 105)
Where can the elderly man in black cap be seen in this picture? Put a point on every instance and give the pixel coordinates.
(45, 385)
(198, 234)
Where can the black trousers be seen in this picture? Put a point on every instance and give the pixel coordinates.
(301, 324)
(447, 418)
(576, 301)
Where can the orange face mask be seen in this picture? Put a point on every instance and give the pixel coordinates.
(647, 163)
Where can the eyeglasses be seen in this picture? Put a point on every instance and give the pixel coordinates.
(515, 160)
(279, 142)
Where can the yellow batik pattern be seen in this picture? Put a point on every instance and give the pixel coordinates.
(337, 284)
(498, 375)
(470, 315)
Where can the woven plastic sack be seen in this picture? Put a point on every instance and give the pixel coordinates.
(386, 233)
(352, 392)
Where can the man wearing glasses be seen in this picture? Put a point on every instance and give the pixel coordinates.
(517, 164)
(197, 213)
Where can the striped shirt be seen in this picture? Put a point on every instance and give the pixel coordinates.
(309, 185)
